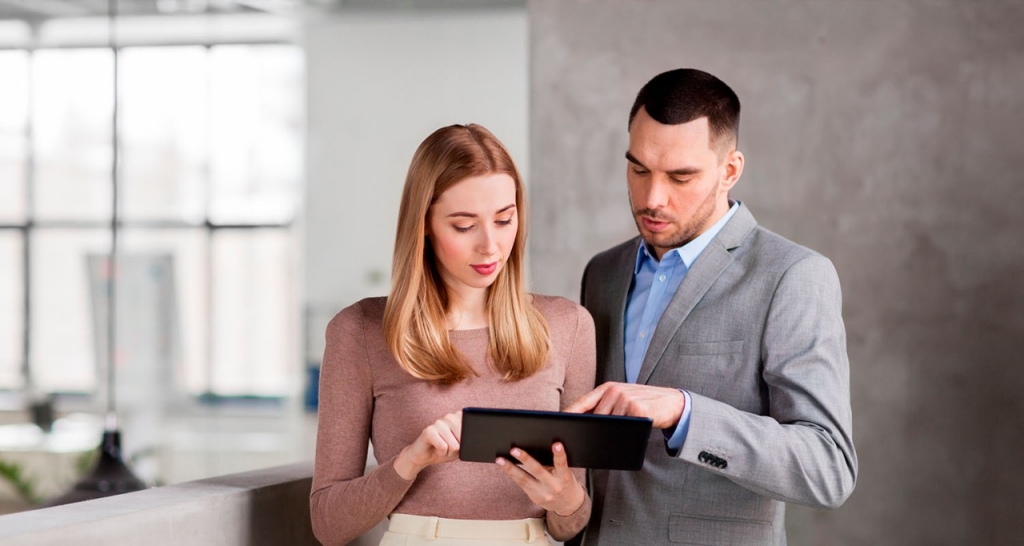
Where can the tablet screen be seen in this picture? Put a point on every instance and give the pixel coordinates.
(591, 441)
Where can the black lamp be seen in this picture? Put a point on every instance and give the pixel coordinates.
(110, 476)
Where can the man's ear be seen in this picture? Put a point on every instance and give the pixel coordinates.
(733, 169)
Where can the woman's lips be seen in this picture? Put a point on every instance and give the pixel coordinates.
(485, 269)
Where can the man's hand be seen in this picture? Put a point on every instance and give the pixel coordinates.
(662, 405)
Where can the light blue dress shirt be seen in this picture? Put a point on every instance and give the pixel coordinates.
(654, 284)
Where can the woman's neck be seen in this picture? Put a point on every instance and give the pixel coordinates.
(467, 310)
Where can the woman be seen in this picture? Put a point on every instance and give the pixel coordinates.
(457, 330)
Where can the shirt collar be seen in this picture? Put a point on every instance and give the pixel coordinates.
(689, 252)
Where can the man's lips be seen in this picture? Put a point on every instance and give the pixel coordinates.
(485, 269)
(653, 225)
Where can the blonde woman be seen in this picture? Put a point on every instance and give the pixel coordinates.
(458, 329)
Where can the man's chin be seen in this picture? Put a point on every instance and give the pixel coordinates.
(664, 241)
(659, 240)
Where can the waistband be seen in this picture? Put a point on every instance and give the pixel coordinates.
(528, 530)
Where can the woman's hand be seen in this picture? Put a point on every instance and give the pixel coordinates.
(438, 443)
(553, 488)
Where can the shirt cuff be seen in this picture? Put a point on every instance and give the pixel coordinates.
(675, 442)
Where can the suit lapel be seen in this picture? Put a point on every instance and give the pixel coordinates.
(699, 279)
(616, 370)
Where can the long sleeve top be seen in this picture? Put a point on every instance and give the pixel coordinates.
(365, 396)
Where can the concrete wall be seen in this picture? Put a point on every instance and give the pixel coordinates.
(266, 507)
(379, 83)
(886, 135)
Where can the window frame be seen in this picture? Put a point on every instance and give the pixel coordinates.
(14, 397)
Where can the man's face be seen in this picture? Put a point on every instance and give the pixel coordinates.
(678, 182)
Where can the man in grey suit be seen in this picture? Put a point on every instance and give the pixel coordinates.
(728, 336)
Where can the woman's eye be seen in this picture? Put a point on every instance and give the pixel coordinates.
(503, 222)
(462, 229)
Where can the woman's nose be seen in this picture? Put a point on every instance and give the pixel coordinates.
(488, 243)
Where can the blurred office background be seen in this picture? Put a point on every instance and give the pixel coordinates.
(263, 145)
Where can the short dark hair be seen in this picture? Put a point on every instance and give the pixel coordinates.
(685, 94)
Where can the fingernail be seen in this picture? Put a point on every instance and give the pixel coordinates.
(500, 461)
(515, 452)
(558, 447)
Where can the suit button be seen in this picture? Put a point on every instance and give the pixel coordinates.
(703, 457)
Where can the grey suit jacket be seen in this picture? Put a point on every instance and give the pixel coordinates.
(755, 334)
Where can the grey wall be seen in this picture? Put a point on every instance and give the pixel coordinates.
(885, 134)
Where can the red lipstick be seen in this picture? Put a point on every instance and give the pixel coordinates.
(485, 269)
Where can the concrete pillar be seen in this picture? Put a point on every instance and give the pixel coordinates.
(884, 134)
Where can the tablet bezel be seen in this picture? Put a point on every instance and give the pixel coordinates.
(591, 441)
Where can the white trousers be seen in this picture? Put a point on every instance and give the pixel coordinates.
(406, 530)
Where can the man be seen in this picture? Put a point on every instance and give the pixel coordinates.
(728, 336)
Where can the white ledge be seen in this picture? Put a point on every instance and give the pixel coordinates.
(268, 506)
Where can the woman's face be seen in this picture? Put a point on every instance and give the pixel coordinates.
(472, 228)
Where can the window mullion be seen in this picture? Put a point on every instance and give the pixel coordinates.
(29, 385)
(208, 239)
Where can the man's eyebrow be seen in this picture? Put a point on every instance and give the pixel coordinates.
(683, 171)
(632, 159)
(471, 215)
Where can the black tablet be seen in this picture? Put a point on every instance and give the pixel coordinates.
(591, 441)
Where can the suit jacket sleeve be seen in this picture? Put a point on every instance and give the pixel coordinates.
(802, 451)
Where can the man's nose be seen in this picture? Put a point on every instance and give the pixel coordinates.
(657, 194)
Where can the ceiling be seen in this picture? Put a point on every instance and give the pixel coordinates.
(40, 10)
(36, 10)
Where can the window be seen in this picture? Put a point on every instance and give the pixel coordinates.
(210, 175)
(248, 360)
(13, 122)
(256, 133)
(71, 110)
(11, 309)
(63, 357)
(165, 125)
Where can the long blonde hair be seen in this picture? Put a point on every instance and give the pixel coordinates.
(415, 324)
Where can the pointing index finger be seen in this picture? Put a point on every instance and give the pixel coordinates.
(588, 401)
